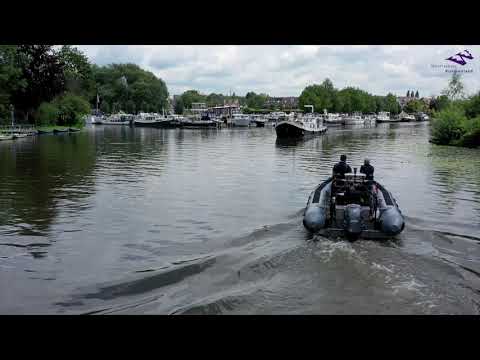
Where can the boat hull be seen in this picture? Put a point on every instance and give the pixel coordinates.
(288, 129)
(155, 124)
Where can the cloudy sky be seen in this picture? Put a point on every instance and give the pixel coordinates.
(286, 70)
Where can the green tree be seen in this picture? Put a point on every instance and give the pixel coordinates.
(440, 103)
(105, 107)
(192, 96)
(472, 108)
(417, 95)
(11, 79)
(179, 106)
(47, 114)
(42, 72)
(391, 104)
(415, 106)
(71, 108)
(78, 72)
(408, 93)
(455, 89)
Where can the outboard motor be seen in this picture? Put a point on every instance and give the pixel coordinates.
(352, 221)
(315, 218)
(391, 221)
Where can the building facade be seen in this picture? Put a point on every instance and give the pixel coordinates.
(288, 102)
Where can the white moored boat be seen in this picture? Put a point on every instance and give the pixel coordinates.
(384, 116)
(333, 119)
(354, 119)
(241, 120)
(118, 119)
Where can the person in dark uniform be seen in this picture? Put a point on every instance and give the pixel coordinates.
(367, 169)
(342, 168)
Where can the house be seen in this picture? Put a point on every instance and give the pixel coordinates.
(288, 102)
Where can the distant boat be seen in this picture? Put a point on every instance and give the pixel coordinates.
(56, 131)
(73, 130)
(191, 123)
(300, 127)
(384, 116)
(333, 120)
(421, 117)
(18, 136)
(354, 119)
(404, 117)
(152, 120)
(241, 120)
(118, 119)
(40, 132)
(96, 120)
(6, 137)
(259, 120)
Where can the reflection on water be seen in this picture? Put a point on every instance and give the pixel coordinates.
(117, 219)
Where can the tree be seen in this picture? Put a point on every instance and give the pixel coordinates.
(77, 71)
(191, 96)
(417, 95)
(105, 107)
(71, 108)
(440, 103)
(455, 89)
(11, 79)
(320, 96)
(415, 106)
(125, 83)
(178, 108)
(408, 93)
(472, 108)
(130, 107)
(47, 114)
(42, 72)
(391, 104)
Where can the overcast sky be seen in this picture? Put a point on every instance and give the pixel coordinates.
(286, 70)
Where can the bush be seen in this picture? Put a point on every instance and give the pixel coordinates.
(72, 109)
(472, 107)
(47, 114)
(471, 138)
(448, 126)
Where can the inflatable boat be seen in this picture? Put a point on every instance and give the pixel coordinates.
(353, 207)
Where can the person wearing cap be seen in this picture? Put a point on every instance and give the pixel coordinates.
(342, 168)
(367, 169)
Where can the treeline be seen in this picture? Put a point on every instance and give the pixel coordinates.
(47, 85)
(456, 119)
(347, 100)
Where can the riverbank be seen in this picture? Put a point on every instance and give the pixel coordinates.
(454, 127)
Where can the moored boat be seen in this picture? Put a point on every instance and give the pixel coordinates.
(300, 127)
(242, 120)
(331, 119)
(118, 119)
(354, 119)
(41, 132)
(58, 131)
(353, 207)
(384, 116)
(6, 137)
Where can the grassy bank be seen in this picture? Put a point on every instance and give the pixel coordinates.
(50, 128)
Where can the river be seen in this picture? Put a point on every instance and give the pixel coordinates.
(119, 220)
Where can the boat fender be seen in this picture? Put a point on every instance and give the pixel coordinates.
(391, 221)
(315, 218)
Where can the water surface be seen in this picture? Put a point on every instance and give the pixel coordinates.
(122, 220)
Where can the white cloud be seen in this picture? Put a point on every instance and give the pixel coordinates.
(286, 70)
